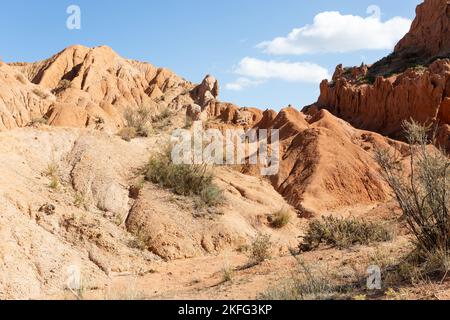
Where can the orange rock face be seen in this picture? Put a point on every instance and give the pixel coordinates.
(430, 32)
(86, 87)
(325, 163)
(413, 82)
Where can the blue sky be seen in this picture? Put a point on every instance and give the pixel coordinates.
(232, 39)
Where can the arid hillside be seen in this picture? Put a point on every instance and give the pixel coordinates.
(86, 181)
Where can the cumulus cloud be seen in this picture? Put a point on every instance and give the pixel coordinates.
(254, 72)
(334, 32)
(282, 70)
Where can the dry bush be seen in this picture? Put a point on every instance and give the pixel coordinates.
(422, 191)
(164, 115)
(183, 179)
(260, 249)
(62, 85)
(79, 200)
(40, 93)
(139, 119)
(305, 284)
(343, 233)
(281, 218)
(127, 133)
(38, 121)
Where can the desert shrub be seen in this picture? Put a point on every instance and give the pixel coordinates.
(163, 119)
(62, 85)
(184, 179)
(304, 284)
(260, 249)
(38, 121)
(343, 233)
(165, 114)
(422, 191)
(128, 133)
(139, 119)
(280, 218)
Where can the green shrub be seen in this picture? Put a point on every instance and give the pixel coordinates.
(183, 179)
(343, 233)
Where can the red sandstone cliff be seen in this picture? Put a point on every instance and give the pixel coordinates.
(413, 82)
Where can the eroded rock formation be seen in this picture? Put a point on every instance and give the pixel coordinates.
(413, 82)
(81, 87)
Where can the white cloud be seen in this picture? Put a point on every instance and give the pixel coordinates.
(254, 72)
(288, 71)
(242, 83)
(334, 32)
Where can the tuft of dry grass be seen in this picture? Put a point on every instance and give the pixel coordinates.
(281, 218)
(228, 274)
(40, 93)
(305, 284)
(52, 172)
(79, 200)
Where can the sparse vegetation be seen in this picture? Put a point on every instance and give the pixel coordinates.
(165, 114)
(127, 133)
(62, 85)
(54, 182)
(140, 240)
(40, 93)
(38, 121)
(281, 218)
(260, 249)
(52, 172)
(138, 119)
(422, 192)
(163, 119)
(343, 233)
(183, 179)
(419, 68)
(228, 274)
(79, 200)
(305, 284)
